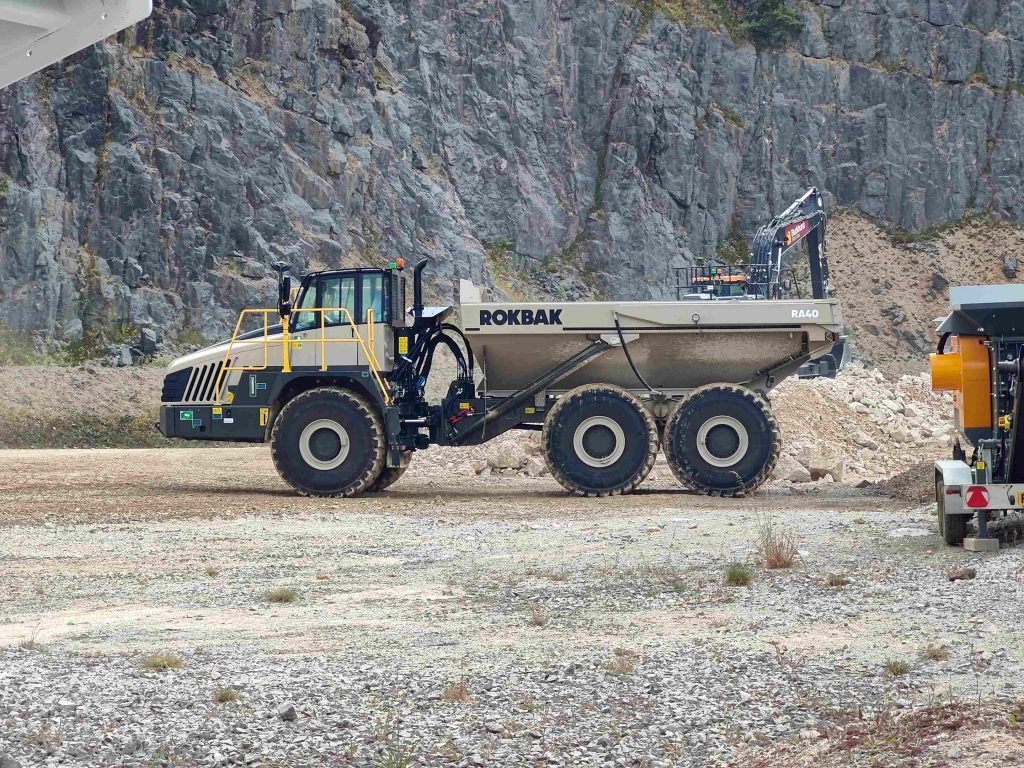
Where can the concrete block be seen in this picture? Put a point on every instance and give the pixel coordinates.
(981, 545)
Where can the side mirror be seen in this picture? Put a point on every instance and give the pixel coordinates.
(284, 296)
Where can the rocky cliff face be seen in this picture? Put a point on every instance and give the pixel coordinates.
(152, 179)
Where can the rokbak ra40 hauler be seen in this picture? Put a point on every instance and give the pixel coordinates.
(334, 376)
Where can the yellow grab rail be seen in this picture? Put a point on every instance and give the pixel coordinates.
(287, 343)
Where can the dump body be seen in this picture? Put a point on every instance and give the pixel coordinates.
(676, 346)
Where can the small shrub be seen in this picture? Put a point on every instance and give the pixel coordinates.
(770, 23)
(46, 737)
(537, 617)
(213, 571)
(837, 580)
(936, 652)
(162, 661)
(456, 692)
(395, 755)
(896, 667)
(225, 695)
(281, 595)
(738, 575)
(622, 663)
(775, 546)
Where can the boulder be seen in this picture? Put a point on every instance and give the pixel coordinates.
(792, 470)
(536, 467)
(821, 463)
(506, 455)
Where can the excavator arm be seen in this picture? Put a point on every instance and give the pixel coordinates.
(37, 33)
(803, 221)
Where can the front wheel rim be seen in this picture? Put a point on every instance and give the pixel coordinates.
(312, 443)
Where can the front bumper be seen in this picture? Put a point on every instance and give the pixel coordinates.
(230, 423)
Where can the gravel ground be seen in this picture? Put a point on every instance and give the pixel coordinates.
(463, 620)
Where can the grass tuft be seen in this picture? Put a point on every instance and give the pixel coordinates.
(622, 663)
(225, 695)
(936, 652)
(738, 574)
(281, 595)
(213, 571)
(896, 667)
(776, 546)
(537, 616)
(162, 661)
(837, 580)
(457, 692)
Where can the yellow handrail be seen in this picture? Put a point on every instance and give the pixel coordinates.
(287, 343)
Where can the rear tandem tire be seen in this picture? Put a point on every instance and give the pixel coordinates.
(328, 442)
(390, 475)
(722, 439)
(599, 440)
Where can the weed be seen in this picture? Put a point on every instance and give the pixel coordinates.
(213, 571)
(225, 695)
(537, 616)
(162, 661)
(46, 738)
(775, 545)
(837, 580)
(281, 595)
(936, 652)
(738, 575)
(896, 667)
(190, 337)
(456, 692)
(394, 755)
(30, 643)
(548, 573)
(622, 663)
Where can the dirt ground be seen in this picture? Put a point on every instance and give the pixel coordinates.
(585, 631)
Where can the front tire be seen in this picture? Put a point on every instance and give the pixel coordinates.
(328, 442)
(390, 475)
(722, 440)
(599, 440)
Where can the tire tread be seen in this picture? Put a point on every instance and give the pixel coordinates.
(364, 409)
(571, 397)
(690, 478)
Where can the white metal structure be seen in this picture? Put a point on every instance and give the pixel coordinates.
(37, 33)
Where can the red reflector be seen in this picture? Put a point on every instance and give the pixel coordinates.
(977, 496)
(952, 491)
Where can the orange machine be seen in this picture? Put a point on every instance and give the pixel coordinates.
(965, 371)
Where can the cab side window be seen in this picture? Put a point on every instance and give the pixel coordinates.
(338, 293)
(373, 297)
(303, 321)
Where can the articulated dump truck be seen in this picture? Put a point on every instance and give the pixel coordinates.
(334, 376)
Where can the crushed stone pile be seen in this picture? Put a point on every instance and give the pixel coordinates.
(862, 427)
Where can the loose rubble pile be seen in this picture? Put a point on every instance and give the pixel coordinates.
(860, 427)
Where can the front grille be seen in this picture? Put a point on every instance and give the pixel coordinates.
(202, 383)
(174, 386)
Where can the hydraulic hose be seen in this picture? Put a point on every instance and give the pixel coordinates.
(629, 357)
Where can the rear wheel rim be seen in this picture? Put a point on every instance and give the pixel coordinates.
(324, 444)
(599, 441)
(722, 441)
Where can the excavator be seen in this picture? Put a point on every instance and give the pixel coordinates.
(771, 274)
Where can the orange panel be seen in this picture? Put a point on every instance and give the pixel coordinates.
(965, 371)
